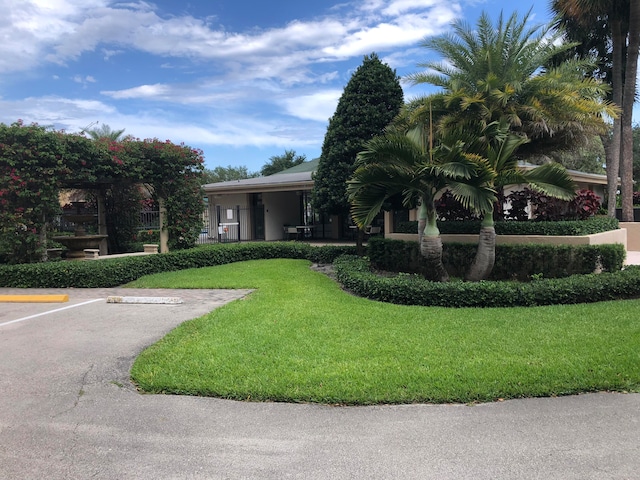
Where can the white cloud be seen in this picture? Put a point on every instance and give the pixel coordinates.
(318, 106)
(143, 91)
(62, 113)
(400, 7)
(61, 30)
(83, 80)
(108, 53)
(218, 82)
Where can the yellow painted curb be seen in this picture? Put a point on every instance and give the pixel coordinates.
(34, 298)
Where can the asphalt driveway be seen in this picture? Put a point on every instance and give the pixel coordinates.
(69, 411)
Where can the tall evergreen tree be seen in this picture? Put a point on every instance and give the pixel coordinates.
(369, 102)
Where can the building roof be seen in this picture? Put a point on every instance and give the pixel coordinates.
(576, 175)
(300, 177)
(294, 178)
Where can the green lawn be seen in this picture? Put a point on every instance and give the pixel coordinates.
(300, 338)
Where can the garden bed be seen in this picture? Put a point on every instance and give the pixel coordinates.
(355, 275)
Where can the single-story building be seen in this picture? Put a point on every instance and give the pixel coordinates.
(274, 207)
(278, 206)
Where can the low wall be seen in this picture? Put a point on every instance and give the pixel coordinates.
(612, 236)
(633, 235)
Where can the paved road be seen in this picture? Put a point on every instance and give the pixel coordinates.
(69, 411)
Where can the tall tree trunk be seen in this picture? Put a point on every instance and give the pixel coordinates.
(614, 149)
(485, 254)
(628, 97)
(431, 249)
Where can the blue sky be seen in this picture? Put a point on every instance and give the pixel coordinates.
(242, 80)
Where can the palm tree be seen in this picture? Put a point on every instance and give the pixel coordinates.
(503, 170)
(495, 89)
(406, 165)
(105, 132)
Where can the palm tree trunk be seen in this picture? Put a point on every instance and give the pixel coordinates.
(613, 152)
(431, 249)
(628, 97)
(486, 254)
(422, 222)
(360, 242)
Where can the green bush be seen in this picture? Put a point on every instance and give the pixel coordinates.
(117, 271)
(519, 262)
(355, 275)
(512, 227)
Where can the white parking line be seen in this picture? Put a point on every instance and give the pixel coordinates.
(51, 311)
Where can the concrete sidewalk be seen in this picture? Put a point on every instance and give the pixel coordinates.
(633, 258)
(69, 411)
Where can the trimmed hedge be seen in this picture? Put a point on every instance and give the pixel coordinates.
(512, 227)
(117, 271)
(513, 262)
(355, 275)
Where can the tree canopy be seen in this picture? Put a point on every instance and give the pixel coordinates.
(278, 163)
(372, 98)
(226, 174)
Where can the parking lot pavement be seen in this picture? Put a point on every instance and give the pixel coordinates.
(69, 411)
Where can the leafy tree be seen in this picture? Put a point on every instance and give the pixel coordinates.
(105, 131)
(498, 95)
(610, 30)
(226, 174)
(371, 99)
(589, 158)
(278, 163)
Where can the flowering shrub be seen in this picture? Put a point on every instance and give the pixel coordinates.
(148, 236)
(35, 162)
(30, 158)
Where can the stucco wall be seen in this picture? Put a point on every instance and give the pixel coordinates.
(633, 235)
(280, 208)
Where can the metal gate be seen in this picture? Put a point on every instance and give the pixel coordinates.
(226, 224)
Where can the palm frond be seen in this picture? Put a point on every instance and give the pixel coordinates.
(551, 179)
(480, 198)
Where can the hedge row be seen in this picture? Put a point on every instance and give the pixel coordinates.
(512, 227)
(519, 262)
(355, 275)
(117, 271)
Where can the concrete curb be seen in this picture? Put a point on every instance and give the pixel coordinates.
(157, 300)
